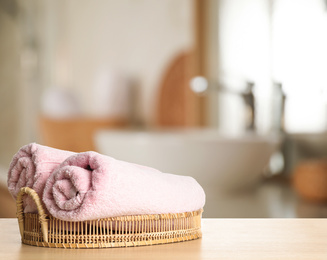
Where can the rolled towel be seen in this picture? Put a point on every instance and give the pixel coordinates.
(30, 167)
(90, 186)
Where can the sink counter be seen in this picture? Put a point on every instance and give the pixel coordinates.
(270, 198)
(222, 239)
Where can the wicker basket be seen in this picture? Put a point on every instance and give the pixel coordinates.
(46, 231)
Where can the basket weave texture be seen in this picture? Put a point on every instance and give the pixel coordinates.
(46, 231)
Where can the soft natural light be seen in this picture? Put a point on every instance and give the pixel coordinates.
(300, 61)
(282, 40)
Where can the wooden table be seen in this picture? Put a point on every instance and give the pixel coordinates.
(222, 239)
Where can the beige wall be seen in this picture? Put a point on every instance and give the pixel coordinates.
(9, 86)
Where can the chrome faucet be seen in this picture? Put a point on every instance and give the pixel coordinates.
(249, 101)
(201, 85)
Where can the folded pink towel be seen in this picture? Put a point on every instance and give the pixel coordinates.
(31, 167)
(91, 186)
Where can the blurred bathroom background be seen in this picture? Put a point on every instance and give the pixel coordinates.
(231, 92)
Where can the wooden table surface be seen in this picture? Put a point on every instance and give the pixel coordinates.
(222, 239)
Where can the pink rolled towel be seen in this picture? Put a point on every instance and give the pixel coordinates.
(30, 167)
(91, 186)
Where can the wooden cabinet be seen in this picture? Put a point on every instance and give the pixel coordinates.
(76, 134)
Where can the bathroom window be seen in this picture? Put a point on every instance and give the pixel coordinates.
(300, 61)
(275, 40)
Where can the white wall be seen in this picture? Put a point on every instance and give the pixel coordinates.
(137, 37)
(65, 43)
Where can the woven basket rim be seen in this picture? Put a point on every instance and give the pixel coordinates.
(41, 229)
(134, 217)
